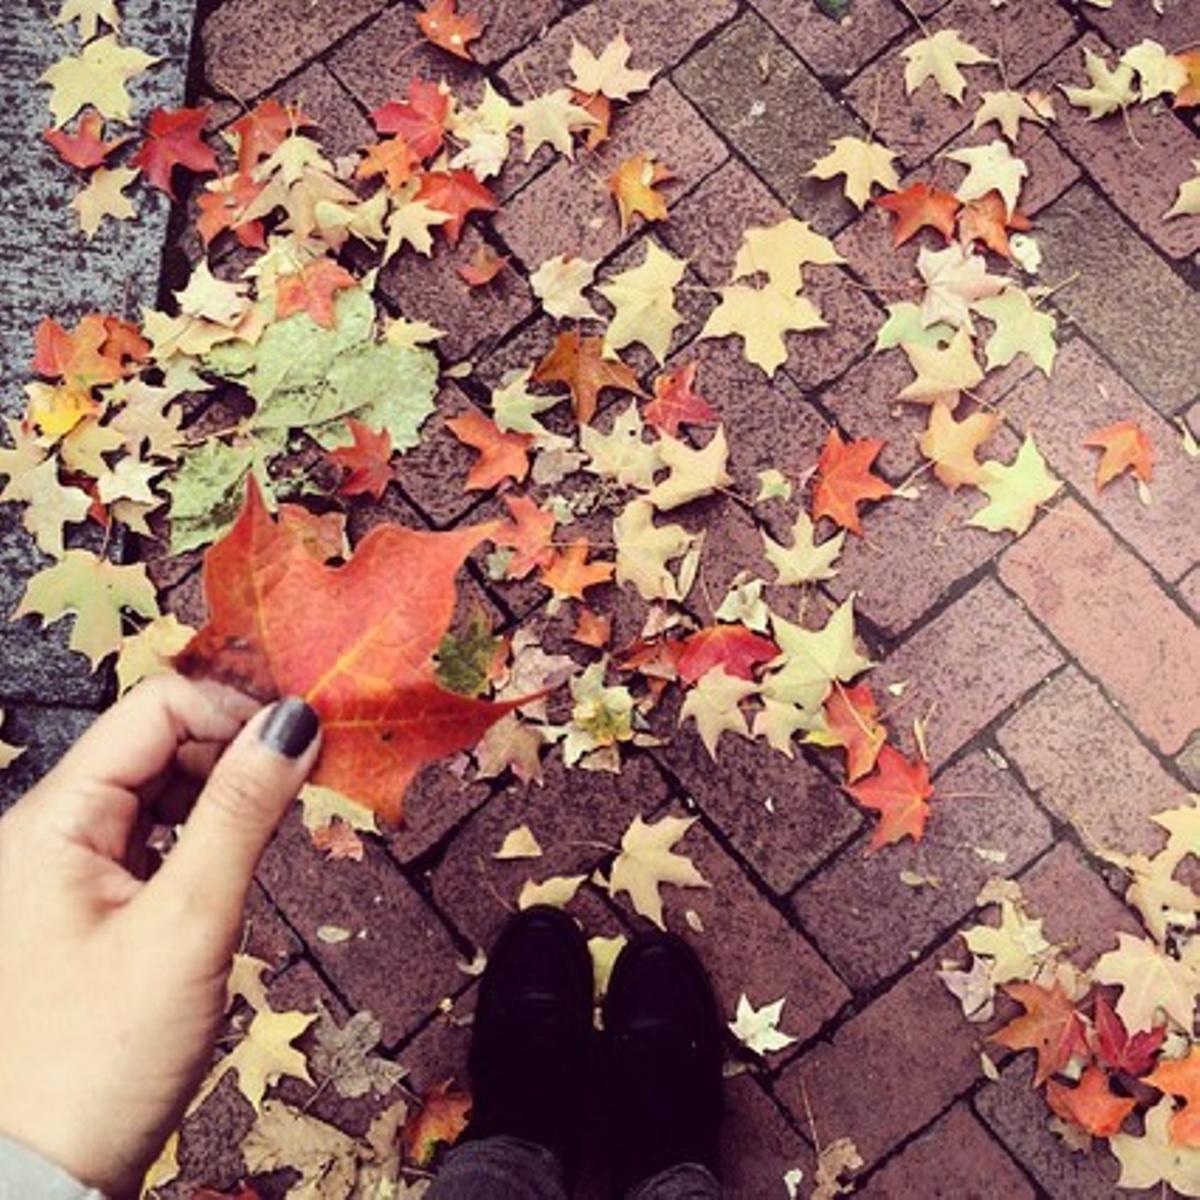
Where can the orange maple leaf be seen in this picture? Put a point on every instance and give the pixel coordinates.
(592, 629)
(850, 720)
(84, 148)
(223, 205)
(311, 290)
(484, 266)
(393, 158)
(1050, 1025)
(1126, 447)
(456, 193)
(529, 534)
(598, 106)
(569, 575)
(444, 26)
(675, 402)
(899, 791)
(337, 840)
(440, 1120)
(1181, 1077)
(263, 129)
(988, 220)
(421, 120)
(367, 461)
(81, 358)
(579, 363)
(173, 139)
(919, 206)
(844, 480)
(356, 641)
(1188, 96)
(501, 455)
(734, 648)
(1090, 1105)
(633, 184)
(323, 535)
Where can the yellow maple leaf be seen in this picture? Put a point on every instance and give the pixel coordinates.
(644, 300)
(1112, 88)
(694, 473)
(761, 317)
(1020, 329)
(1160, 73)
(951, 445)
(551, 119)
(941, 373)
(1014, 491)
(644, 549)
(863, 163)
(607, 73)
(621, 454)
(1150, 980)
(781, 252)
(713, 702)
(806, 560)
(89, 14)
(939, 56)
(1008, 109)
(1187, 200)
(150, 651)
(647, 861)
(811, 659)
(991, 167)
(97, 76)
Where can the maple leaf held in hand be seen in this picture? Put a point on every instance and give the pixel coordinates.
(844, 480)
(647, 861)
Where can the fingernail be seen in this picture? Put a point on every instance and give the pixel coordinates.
(290, 728)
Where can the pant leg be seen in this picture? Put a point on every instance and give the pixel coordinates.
(500, 1168)
(687, 1181)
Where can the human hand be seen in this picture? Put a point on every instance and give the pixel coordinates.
(111, 986)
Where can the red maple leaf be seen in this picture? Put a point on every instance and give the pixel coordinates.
(899, 791)
(392, 157)
(457, 193)
(675, 403)
(356, 641)
(223, 205)
(850, 719)
(1050, 1025)
(1090, 1105)
(1115, 1048)
(421, 122)
(444, 26)
(174, 140)
(263, 130)
(366, 461)
(501, 455)
(919, 206)
(734, 648)
(530, 534)
(484, 266)
(311, 290)
(84, 148)
(844, 480)
(579, 363)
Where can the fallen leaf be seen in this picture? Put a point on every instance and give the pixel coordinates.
(519, 843)
(557, 892)
(677, 403)
(941, 373)
(592, 629)
(345, 1058)
(607, 73)
(1187, 199)
(85, 148)
(643, 300)
(644, 550)
(951, 445)
(97, 77)
(1008, 109)
(1015, 491)
(559, 282)
(1150, 981)
(760, 317)
(990, 168)
(578, 362)
(851, 722)
(714, 703)
(693, 473)
(863, 163)
(734, 648)
(569, 574)
(530, 535)
(1050, 1025)
(647, 861)
(1126, 447)
(633, 185)
(420, 121)
(1090, 1104)
(1020, 329)
(806, 560)
(758, 1028)
(312, 290)
(365, 463)
(781, 252)
(1116, 1048)
(844, 480)
(173, 139)
(446, 27)
(1111, 90)
(956, 281)
(338, 842)
(920, 206)
(89, 14)
(899, 791)
(1181, 1077)
(833, 1161)
(938, 56)
(1153, 1161)
(501, 455)
(987, 220)
(551, 119)
(150, 651)
(456, 193)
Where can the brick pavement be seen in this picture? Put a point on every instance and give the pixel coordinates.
(1060, 667)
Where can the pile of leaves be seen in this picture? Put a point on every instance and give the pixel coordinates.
(274, 398)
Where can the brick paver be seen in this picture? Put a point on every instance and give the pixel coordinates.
(1055, 672)
(1104, 607)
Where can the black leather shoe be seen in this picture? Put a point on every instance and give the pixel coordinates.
(531, 1035)
(663, 1037)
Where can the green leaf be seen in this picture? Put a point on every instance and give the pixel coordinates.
(464, 661)
(206, 492)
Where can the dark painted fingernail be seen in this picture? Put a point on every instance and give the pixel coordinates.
(290, 728)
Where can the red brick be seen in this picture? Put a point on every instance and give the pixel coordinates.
(437, 800)
(888, 1071)
(1124, 24)
(1016, 1113)
(1188, 761)
(1189, 589)
(266, 934)
(341, 127)
(1079, 912)
(1103, 605)
(913, 551)
(870, 924)
(972, 661)
(660, 32)
(747, 944)
(377, 63)
(1024, 34)
(251, 44)
(726, 80)
(567, 210)
(1083, 395)
(573, 815)
(1139, 161)
(758, 1145)
(431, 289)
(956, 1158)
(210, 1141)
(806, 823)
(399, 961)
(1085, 764)
(1120, 287)
(439, 1051)
(509, 25)
(835, 48)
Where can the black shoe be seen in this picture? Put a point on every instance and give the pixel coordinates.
(664, 1046)
(532, 1031)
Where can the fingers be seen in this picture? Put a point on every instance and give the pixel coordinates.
(250, 788)
(137, 738)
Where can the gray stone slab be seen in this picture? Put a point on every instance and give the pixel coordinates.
(46, 734)
(48, 269)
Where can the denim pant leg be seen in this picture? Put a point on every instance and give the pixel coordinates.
(688, 1181)
(501, 1168)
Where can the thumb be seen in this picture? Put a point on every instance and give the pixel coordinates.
(243, 801)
